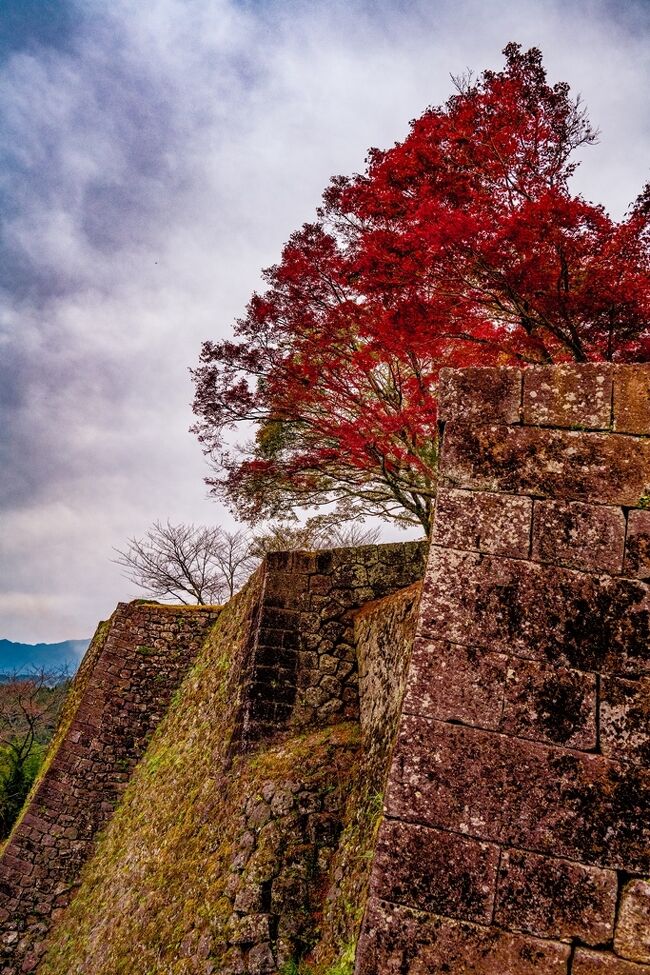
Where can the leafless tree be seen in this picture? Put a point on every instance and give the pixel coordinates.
(198, 564)
(321, 531)
(190, 563)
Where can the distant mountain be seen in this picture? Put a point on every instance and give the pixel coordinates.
(22, 657)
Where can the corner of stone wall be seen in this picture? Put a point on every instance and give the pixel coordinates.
(516, 833)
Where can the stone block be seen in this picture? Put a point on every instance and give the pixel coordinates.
(603, 963)
(568, 396)
(546, 463)
(579, 536)
(568, 618)
(484, 522)
(551, 704)
(632, 937)
(435, 871)
(521, 793)
(555, 898)
(637, 545)
(624, 719)
(480, 395)
(455, 683)
(632, 398)
(396, 940)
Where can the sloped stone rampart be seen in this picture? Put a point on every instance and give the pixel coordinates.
(123, 688)
(516, 829)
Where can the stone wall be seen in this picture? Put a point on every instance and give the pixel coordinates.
(516, 833)
(123, 688)
(302, 668)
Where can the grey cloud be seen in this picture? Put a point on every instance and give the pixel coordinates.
(151, 165)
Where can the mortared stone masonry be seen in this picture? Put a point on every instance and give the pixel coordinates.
(516, 829)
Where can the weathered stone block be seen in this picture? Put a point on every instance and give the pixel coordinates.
(397, 940)
(603, 963)
(580, 536)
(552, 704)
(480, 394)
(521, 793)
(632, 937)
(632, 398)
(435, 871)
(568, 618)
(455, 683)
(637, 546)
(555, 898)
(546, 463)
(625, 719)
(568, 396)
(484, 522)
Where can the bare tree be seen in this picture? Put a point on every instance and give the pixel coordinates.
(319, 532)
(191, 563)
(197, 564)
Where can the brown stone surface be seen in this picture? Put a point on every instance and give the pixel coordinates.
(454, 683)
(555, 898)
(580, 536)
(625, 719)
(632, 398)
(568, 396)
(484, 522)
(569, 618)
(632, 937)
(396, 940)
(503, 790)
(546, 463)
(603, 963)
(637, 546)
(481, 395)
(491, 690)
(551, 704)
(435, 871)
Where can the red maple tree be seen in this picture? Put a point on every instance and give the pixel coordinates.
(462, 245)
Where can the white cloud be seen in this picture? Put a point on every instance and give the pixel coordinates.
(152, 168)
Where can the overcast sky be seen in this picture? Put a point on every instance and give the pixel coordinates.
(155, 156)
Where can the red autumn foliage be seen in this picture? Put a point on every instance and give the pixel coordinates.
(462, 245)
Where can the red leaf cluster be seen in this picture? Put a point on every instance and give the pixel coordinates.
(462, 245)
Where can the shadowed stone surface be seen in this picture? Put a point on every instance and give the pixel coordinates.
(477, 393)
(546, 799)
(575, 619)
(546, 463)
(443, 873)
(555, 898)
(579, 536)
(637, 554)
(398, 941)
(502, 693)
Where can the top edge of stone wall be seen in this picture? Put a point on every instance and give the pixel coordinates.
(586, 396)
